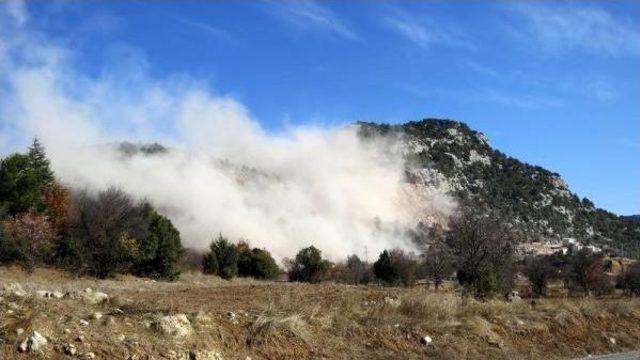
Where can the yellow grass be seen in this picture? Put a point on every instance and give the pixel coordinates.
(300, 321)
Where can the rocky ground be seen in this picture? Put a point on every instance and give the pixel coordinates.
(53, 315)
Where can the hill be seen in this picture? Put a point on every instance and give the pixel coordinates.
(534, 199)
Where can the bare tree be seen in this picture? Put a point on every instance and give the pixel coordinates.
(483, 247)
(438, 263)
(106, 236)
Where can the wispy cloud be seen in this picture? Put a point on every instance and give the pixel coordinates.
(310, 15)
(567, 27)
(481, 69)
(206, 28)
(18, 10)
(521, 101)
(422, 30)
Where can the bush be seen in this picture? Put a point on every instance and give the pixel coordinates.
(108, 233)
(222, 260)
(28, 239)
(308, 266)
(597, 281)
(395, 267)
(161, 251)
(629, 280)
(356, 271)
(438, 263)
(256, 263)
(483, 249)
(539, 270)
(581, 272)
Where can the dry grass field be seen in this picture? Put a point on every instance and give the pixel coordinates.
(245, 319)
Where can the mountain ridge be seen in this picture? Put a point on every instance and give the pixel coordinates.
(534, 199)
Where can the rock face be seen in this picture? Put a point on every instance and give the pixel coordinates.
(177, 326)
(35, 342)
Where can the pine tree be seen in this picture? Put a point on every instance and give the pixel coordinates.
(40, 163)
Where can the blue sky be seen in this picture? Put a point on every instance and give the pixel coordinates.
(555, 84)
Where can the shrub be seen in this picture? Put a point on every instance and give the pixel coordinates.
(483, 248)
(438, 263)
(597, 281)
(256, 263)
(222, 259)
(161, 251)
(539, 270)
(108, 232)
(308, 266)
(395, 267)
(580, 272)
(629, 280)
(356, 271)
(28, 239)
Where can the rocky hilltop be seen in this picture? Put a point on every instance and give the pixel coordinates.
(449, 153)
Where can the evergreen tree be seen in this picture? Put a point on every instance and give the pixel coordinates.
(384, 270)
(256, 263)
(222, 259)
(24, 180)
(40, 163)
(309, 266)
(161, 252)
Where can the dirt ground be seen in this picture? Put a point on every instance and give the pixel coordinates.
(245, 319)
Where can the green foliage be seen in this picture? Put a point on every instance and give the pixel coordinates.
(222, 259)
(308, 266)
(583, 271)
(384, 270)
(257, 263)
(161, 252)
(395, 267)
(23, 181)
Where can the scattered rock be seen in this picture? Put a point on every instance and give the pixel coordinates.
(57, 295)
(393, 302)
(67, 331)
(96, 315)
(69, 349)
(19, 331)
(89, 356)
(513, 296)
(14, 289)
(612, 341)
(175, 325)
(84, 322)
(80, 338)
(426, 340)
(42, 293)
(35, 342)
(94, 297)
(121, 337)
(204, 355)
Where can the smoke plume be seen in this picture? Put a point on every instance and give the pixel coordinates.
(222, 172)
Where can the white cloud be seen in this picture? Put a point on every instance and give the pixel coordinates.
(566, 27)
(310, 15)
(421, 30)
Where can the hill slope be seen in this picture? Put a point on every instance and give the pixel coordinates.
(536, 200)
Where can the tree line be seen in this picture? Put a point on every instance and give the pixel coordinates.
(109, 232)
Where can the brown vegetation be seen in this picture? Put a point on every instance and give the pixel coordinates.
(267, 320)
